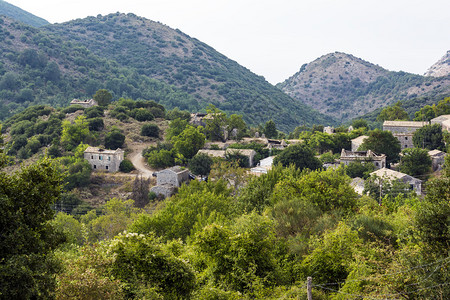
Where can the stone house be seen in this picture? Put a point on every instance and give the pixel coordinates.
(169, 180)
(356, 142)
(328, 129)
(212, 153)
(250, 153)
(174, 176)
(444, 120)
(197, 119)
(388, 174)
(263, 166)
(379, 161)
(102, 159)
(403, 131)
(84, 103)
(437, 159)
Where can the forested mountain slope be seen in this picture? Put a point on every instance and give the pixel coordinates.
(41, 68)
(169, 55)
(18, 14)
(346, 87)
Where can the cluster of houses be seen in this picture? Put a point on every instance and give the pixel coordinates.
(169, 180)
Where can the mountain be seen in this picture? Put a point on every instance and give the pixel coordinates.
(346, 87)
(18, 14)
(169, 55)
(440, 68)
(40, 68)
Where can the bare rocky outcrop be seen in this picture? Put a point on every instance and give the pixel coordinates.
(440, 68)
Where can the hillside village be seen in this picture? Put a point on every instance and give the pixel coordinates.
(137, 162)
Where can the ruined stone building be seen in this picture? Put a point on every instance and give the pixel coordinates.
(101, 159)
(444, 120)
(84, 103)
(347, 157)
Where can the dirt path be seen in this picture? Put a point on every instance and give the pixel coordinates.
(138, 160)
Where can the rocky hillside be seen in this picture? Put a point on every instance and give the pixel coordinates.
(169, 55)
(440, 68)
(346, 87)
(18, 14)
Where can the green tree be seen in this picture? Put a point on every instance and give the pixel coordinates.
(270, 130)
(242, 255)
(443, 107)
(189, 142)
(114, 139)
(301, 156)
(103, 97)
(393, 113)
(126, 166)
(432, 216)
(27, 265)
(143, 263)
(382, 142)
(176, 127)
(200, 164)
(359, 169)
(361, 123)
(236, 124)
(150, 130)
(415, 162)
(425, 114)
(74, 134)
(216, 123)
(429, 137)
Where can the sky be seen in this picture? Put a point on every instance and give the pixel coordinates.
(275, 38)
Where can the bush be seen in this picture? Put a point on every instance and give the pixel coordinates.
(126, 166)
(96, 124)
(114, 140)
(142, 115)
(150, 130)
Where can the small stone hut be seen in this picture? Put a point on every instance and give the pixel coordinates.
(102, 159)
(437, 159)
(169, 180)
(84, 103)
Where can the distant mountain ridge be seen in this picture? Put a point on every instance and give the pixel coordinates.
(171, 56)
(441, 67)
(18, 14)
(346, 87)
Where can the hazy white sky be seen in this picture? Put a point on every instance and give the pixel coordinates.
(274, 38)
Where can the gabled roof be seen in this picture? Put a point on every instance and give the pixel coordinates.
(359, 139)
(436, 153)
(384, 172)
(101, 151)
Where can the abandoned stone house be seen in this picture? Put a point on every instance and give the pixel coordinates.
(250, 153)
(84, 103)
(437, 159)
(444, 120)
(403, 131)
(101, 159)
(356, 142)
(388, 174)
(169, 180)
(328, 129)
(347, 157)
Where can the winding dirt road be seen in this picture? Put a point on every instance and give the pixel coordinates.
(138, 160)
